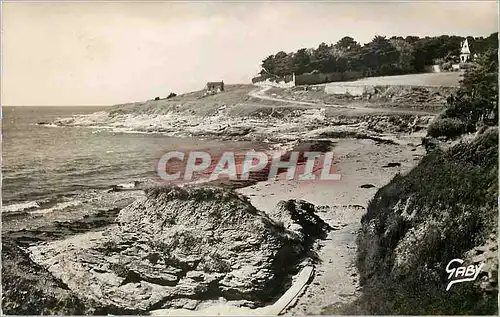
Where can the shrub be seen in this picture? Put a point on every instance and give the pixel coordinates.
(475, 104)
(447, 127)
(446, 66)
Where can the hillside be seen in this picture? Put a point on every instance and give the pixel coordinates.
(403, 97)
(445, 208)
(250, 113)
(193, 103)
(444, 79)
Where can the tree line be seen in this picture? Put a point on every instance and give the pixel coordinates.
(381, 56)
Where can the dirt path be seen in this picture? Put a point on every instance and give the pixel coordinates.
(261, 94)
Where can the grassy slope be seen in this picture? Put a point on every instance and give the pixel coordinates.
(417, 223)
(445, 79)
(237, 102)
(430, 99)
(190, 103)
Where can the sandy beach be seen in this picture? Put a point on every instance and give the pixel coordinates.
(360, 162)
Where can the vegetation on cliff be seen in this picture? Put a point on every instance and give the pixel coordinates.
(475, 104)
(442, 210)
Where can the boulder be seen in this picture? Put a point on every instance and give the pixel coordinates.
(29, 289)
(193, 243)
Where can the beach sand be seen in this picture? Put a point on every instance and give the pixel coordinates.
(360, 162)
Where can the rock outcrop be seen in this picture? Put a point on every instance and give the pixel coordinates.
(29, 289)
(178, 247)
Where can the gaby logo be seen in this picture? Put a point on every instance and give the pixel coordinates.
(459, 274)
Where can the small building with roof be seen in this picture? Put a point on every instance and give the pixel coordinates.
(214, 86)
(465, 53)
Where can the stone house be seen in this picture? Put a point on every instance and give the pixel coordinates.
(215, 86)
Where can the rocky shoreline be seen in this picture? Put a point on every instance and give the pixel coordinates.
(280, 126)
(247, 113)
(185, 259)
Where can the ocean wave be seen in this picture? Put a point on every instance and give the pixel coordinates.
(57, 207)
(50, 125)
(15, 208)
(129, 185)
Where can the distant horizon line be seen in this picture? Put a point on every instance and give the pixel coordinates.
(119, 103)
(4, 106)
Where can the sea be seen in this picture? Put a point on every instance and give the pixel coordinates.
(44, 165)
